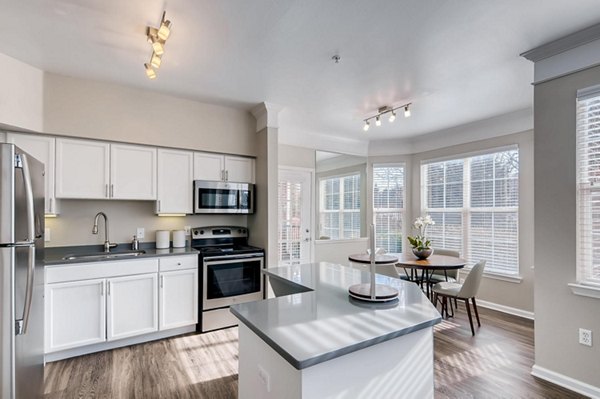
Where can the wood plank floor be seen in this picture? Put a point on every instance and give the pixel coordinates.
(496, 363)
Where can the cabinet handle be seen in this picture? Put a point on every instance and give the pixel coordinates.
(102, 289)
(107, 195)
(112, 190)
(159, 206)
(226, 175)
(162, 278)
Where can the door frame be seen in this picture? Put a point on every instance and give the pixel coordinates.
(312, 202)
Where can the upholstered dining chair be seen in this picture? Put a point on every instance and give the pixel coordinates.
(438, 275)
(465, 291)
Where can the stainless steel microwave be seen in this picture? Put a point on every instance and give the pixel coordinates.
(223, 197)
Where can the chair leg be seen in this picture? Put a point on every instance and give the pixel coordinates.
(451, 307)
(476, 312)
(470, 317)
(435, 300)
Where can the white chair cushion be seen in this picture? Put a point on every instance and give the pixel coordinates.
(447, 288)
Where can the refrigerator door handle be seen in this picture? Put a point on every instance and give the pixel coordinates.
(21, 324)
(31, 233)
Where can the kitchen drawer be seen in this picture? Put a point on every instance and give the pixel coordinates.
(170, 263)
(94, 270)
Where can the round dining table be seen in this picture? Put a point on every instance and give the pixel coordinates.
(429, 266)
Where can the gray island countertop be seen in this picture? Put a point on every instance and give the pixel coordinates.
(321, 322)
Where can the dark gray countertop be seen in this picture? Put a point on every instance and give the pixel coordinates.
(56, 255)
(324, 323)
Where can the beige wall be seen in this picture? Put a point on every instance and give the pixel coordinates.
(21, 93)
(74, 225)
(558, 312)
(92, 109)
(298, 157)
(511, 294)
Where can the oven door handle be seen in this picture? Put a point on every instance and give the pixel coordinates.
(233, 257)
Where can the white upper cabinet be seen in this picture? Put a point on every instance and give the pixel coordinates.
(82, 169)
(88, 169)
(42, 148)
(209, 166)
(132, 172)
(239, 169)
(175, 181)
(217, 167)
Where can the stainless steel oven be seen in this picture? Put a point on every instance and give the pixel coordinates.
(223, 197)
(231, 272)
(231, 279)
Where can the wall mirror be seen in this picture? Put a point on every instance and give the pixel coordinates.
(341, 196)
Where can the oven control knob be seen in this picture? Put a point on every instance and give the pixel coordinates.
(244, 231)
(240, 231)
(201, 231)
(195, 232)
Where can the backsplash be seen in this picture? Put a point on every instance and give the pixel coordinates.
(74, 224)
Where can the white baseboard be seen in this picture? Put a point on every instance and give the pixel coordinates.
(565, 382)
(506, 309)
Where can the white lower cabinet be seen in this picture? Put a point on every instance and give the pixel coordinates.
(178, 298)
(101, 304)
(132, 306)
(77, 313)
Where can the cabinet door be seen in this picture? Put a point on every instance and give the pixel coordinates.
(42, 148)
(132, 172)
(132, 306)
(178, 298)
(239, 169)
(75, 314)
(175, 181)
(82, 169)
(208, 166)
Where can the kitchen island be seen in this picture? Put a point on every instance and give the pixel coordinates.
(314, 341)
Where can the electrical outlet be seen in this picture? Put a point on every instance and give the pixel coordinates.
(140, 233)
(47, 234)
(187, 229)
(585, 337)
(265, 378)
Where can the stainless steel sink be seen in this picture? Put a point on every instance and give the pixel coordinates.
(104, 255)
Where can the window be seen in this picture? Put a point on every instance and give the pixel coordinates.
(388, 206)
(339, 209)
(475, 204)
(588, 186)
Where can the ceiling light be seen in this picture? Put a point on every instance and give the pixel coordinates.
(157, 44)
(392, 116)
(165, 28)
(157, 38)
(150, 72)
(387, 110)
(155, 60)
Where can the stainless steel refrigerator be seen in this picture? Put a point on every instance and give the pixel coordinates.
(21, 274)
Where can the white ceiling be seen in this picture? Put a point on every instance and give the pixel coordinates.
(456, 61)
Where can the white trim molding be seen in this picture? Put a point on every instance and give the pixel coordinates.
(585, 290)
(266, 115)
(565, 381)
(506, 309)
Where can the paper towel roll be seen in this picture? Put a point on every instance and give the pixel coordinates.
(162, 239)
(178, 238)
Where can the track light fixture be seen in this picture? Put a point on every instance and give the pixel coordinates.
(385, 110)
(157, 38)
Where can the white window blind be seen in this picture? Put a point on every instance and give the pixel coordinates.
(475, 204)
(588, 187)
(290, 202)
(388, 206)
(339, 209)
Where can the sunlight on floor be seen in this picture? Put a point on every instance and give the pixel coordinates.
(455, 368)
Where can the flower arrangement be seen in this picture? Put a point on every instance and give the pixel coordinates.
(421, 245)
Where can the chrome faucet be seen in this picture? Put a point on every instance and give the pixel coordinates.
(107, 244)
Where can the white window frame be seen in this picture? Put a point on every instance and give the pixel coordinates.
(586, 283)
(341, 211)
(402, 211)
(466, 210)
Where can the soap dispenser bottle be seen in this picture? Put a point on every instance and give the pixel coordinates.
(135, 244)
